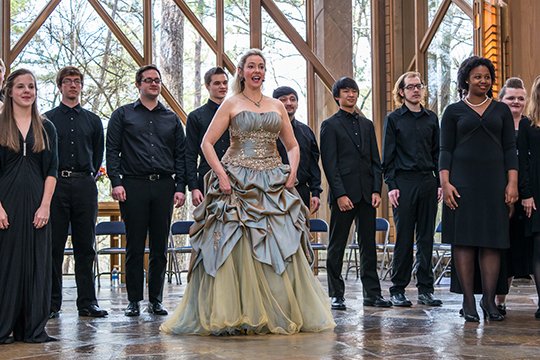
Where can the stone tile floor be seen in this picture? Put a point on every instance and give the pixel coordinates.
(419, 332)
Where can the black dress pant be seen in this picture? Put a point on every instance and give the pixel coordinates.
(340, 223)
(417, 210)
(305, 194)
(75, 202)
(147, 211)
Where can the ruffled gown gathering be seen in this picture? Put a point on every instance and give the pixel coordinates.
(251, 273)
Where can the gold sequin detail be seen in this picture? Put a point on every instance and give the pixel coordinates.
(254, 149)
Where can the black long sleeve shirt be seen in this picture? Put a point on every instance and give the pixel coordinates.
(197, 123)
(309, 172)
(411, 143)
(144, 142)
(80, 138)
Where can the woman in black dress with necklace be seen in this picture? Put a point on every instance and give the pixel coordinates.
(478, 172)
(529, 176)
(28, 169)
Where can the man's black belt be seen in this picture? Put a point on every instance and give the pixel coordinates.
(150, 177)
(70, 174)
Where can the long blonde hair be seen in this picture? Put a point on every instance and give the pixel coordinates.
(533, 107)
(238, 82)
(9, 132)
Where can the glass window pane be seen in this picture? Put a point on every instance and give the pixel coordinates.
(295, 12)
(362, 53)
(284, 64)
(433, 6)
(23, 13)
(205, 11)
(76, 35)
(452, 44)
(236, 29)
(128, 16)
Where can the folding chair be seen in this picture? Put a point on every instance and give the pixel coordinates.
(317, 226)
(441, 253)
(177, 228)
(109, 228)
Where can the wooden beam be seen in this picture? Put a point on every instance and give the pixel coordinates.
(207, 37)
(378, 78)
(173, 103)
(31, 31)
(312, 120)
(255, 24)
(434, 26)
(6, 34)
(465, 6)
(117, 32)
(420, 22)
(298, 42)
(147, 31)
(220, 35)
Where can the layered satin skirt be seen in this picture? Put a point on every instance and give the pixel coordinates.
(251, 274)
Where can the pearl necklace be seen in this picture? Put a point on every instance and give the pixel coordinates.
(477, 105)
(256, 103)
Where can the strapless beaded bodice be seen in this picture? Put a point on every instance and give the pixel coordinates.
(253, 140)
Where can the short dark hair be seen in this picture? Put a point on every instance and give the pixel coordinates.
(138, 74)
(218, 70)
(465, 69)
(343, 83)
(68, 71)
(284, 90)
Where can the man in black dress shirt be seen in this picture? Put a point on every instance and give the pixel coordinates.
(216, 82)
(352, 166)
(146, 165)
(80, 153)
(309, 174)
(410, 163)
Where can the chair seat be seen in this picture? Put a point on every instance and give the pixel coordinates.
(181, 249)
(318, 246)
(111, 251)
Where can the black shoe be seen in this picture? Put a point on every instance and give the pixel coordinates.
(537, 314)
(502, 309)
(491, 316)
(471, 317)
(400, 300)
(338, 303)
(54, 314)
(92, 311)
(133, 309)
(428, 299)
(377, 301)
(157, 308)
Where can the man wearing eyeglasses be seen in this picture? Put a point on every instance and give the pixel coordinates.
(80, 153)
(146, 165)
(410, 163)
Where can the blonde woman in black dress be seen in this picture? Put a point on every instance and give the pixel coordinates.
(529, 175)
(517, 260)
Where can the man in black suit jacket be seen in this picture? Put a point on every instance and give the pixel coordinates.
(352, 165)
(216, 81)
